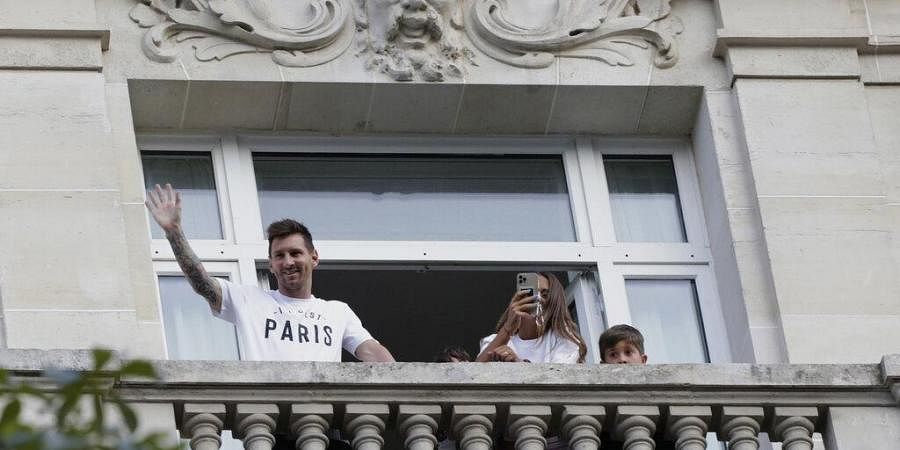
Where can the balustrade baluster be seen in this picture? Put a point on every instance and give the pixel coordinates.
(418, 423)
(688, 425)
(527, 425)
(581, 426)
(310, 423)
(255, 425)
(203, 425)
(365, 423)
(794, 427)
(472, 426)
(740, 427)
(635, 425)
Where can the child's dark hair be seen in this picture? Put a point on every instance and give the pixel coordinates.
(618, 333)
(448, 354)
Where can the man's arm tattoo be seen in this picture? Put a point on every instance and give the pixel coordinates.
(196, 275)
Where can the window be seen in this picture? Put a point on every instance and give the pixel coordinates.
(424, 235)
(644, 200)
(193, 174)
(418, 197)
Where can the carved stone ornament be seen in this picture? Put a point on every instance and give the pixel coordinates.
(298, 33)
(410, 40)
(592, 29)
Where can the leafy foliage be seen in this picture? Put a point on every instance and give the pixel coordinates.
(77, 410)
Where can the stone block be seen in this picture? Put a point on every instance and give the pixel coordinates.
(127, 157)
(498, 109)
(489, 71)
(884, 16)
(140, 262)
(670, 110)
(157, 104)
(328, 107)
(695, 44)
(884, 108)
(888, 68)
(73, 241)
(838, 338)
(148, 341)
(587, 72)
(34, 159)
(830, 256)
(256, 67)
(794, 62)
(763, 14)
(797, 130)
(756, 283)
(42, 12)
(868, 69)
(768, 345)
(52, 102)
(50, 53)
(232, 104)
(414, 107)
(70, 329)
(156, 418)
(861, 428)
(597, 109)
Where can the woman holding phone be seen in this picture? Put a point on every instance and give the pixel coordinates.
(529, 333)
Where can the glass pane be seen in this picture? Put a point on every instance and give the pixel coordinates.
(191, 330)
(667, 314)
(418, 197)
(192, 175)
(643, 195)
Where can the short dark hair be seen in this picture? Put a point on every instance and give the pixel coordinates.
(287, 227)
(618, 333)
(452, 352)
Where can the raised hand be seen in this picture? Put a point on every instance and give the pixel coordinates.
(519, 308)
(165, 207)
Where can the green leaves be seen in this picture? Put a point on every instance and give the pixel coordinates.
(78, 405)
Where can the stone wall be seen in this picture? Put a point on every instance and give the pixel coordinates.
(791, 108)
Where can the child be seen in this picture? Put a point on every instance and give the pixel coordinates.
(622, 344)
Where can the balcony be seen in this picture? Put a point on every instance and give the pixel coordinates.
(415, 405)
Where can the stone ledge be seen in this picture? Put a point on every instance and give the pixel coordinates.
(71, 31)
(725, 38)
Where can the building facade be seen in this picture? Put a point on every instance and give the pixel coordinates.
(723, 174)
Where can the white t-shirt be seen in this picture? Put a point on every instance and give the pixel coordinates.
(274, 327)
(549, 348)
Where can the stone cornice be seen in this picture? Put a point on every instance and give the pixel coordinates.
(725, 38)
(66, 31)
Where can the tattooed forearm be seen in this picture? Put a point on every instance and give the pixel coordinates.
(196, 275)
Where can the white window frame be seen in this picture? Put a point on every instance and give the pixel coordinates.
(595, 247)
(168, 268)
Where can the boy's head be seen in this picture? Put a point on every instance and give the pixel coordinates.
(452, 354)
(622, 344)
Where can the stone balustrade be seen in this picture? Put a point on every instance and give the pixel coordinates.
(417, 405)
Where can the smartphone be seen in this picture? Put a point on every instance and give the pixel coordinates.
(527, 281)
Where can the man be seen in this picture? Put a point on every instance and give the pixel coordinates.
(289, 324)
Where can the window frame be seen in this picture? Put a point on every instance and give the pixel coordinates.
(170, 268)
(594, 249)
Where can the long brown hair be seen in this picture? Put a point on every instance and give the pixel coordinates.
(556, 316)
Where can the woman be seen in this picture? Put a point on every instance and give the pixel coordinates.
(522, 337)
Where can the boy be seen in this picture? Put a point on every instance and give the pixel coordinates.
(622, 344)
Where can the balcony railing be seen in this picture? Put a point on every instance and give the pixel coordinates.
(481, 406)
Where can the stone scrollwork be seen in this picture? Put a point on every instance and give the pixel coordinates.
(298, 33)
(414, 40)
(592, 29)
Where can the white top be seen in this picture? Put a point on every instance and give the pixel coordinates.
(274, 327)
(549, 348)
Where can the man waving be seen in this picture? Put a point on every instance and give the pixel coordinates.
(289, 324)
